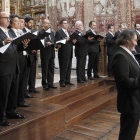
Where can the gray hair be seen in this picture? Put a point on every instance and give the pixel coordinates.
(77, 23)
(125, 35)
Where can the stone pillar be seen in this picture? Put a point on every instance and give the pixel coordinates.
(6, 6)
(88, 13)
(38, 76)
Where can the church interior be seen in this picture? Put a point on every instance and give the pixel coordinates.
(85, 111)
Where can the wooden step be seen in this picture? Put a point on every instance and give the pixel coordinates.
(84, 97)
(85, 110)
(70, 93)
(44, 121)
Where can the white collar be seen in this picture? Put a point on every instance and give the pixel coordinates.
(126, 50)
(28, 30)
(64, 30)
(110, 33)
(4, 30)
(92, 30)
(138, 31)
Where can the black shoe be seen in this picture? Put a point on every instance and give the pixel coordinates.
(34, 91)
(90, 78)
(63, 85)
(46, 88)
(29, 96)
(14, 116)
(97, 76)
(53, 87)
(81, 81)
(69, 83)
(85, 80)
(110, 75)
(24, 105)
(4, 123)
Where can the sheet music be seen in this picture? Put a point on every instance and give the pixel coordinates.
(49, 30)
(4, 48)
(35, 33)
(43, 42)
(61, 41)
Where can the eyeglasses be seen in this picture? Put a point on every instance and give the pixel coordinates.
(5, 17)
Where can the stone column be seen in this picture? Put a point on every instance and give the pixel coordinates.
(88, 13)
(6, 5)
(38, 76)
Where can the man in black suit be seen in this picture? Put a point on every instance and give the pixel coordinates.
(65, 54)
(14, 31)
(31, 71)
(126, 72)
(111, 47)
(93, 53)
(137, 29)
(81, 52)
(121, 28)
(47, 56)
(9, 74)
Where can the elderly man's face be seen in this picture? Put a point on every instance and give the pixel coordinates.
(80, 27)
(4, 19)
(132, 43)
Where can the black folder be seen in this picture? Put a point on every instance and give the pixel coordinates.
(98, 36)
(115, 37)
(74, 36)
(137, 56)
(19, 40)
(43, 34)
(89, 34)
(35, 44)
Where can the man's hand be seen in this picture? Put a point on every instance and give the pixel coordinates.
(33, 51)
(68, 38)
(58, 46)
(74, 41)
(99, 39)
(25, 42)
(48, 43)
(8, 40)
(90, 38)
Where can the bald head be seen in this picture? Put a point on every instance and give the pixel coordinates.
(46, 24)
(4, 19)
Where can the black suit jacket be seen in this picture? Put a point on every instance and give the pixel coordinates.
(22, 58)
(138, 43)
(66, 50)
(94, 44)
(9, 60)
(117, 33)
(126, 73)
(33, 56)
(111, 44)
(48, 52)
(81, 46)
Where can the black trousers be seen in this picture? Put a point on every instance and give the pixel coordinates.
(47, 66)
(93, 63)
(31, 76)
(109, 69)
(22, 84)
(65, 70)
(8, 93)
(80, 68)
(128, 126)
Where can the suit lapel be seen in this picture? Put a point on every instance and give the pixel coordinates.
(62, 33)
(130, 57)
(2, 34)
(13, 35)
